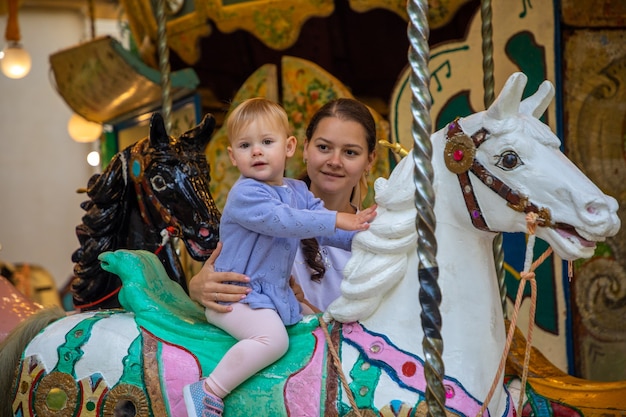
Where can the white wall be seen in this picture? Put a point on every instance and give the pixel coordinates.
(40, 166)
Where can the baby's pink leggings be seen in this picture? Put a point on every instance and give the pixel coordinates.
(262, 339)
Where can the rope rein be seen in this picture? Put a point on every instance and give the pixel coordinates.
(527, 275)
(337, 363)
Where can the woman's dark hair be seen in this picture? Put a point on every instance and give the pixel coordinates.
(343, 109)
(346, 109)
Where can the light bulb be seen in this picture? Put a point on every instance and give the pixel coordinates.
(82, 130)
(93, 158)
(15, 62)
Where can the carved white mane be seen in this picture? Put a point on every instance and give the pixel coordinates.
(385, 248)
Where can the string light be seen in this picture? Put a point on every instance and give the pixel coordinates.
(15, 61)
(93, 158)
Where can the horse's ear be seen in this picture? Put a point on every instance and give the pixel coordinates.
(207, 126)
(200, 135)
(537, 104)
(507, 104)
(159, 138)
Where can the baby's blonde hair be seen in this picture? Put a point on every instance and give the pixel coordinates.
(253, 108)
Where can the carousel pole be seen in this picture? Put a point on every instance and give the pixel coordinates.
(429, 293)
(164, 65)
(166, 98)
(488, 98)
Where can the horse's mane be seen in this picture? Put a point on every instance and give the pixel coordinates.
(106, 211)
(384, 248)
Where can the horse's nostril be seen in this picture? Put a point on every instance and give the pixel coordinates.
(204, 232)
(598, 207)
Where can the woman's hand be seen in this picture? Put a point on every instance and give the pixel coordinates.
(207, 286)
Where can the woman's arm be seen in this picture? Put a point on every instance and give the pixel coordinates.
(207, 286)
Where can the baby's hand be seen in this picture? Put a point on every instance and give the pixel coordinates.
(359, 222)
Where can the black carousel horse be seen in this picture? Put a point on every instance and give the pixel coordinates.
(152, 194)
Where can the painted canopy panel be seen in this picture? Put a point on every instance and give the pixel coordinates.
(101, 81)
(276, 23)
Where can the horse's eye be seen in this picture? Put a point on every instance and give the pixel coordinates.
(158, 183)
(509, 160)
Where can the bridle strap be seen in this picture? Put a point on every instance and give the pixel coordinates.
(140, 182)
(460, 158)
(471, 202)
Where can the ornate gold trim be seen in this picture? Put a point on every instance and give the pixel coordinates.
(440, 12)
(396, 6)
(459, 153)
(56, 396)
(123, 394)
(276, 23)
(183, 31)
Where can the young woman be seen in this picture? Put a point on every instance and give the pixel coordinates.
(339, 151)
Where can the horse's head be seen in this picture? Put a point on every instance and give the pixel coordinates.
(158, 185)
(509, 165)
(171, 177)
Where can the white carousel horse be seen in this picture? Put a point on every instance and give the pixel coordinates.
(518, 168)
(100, 363)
